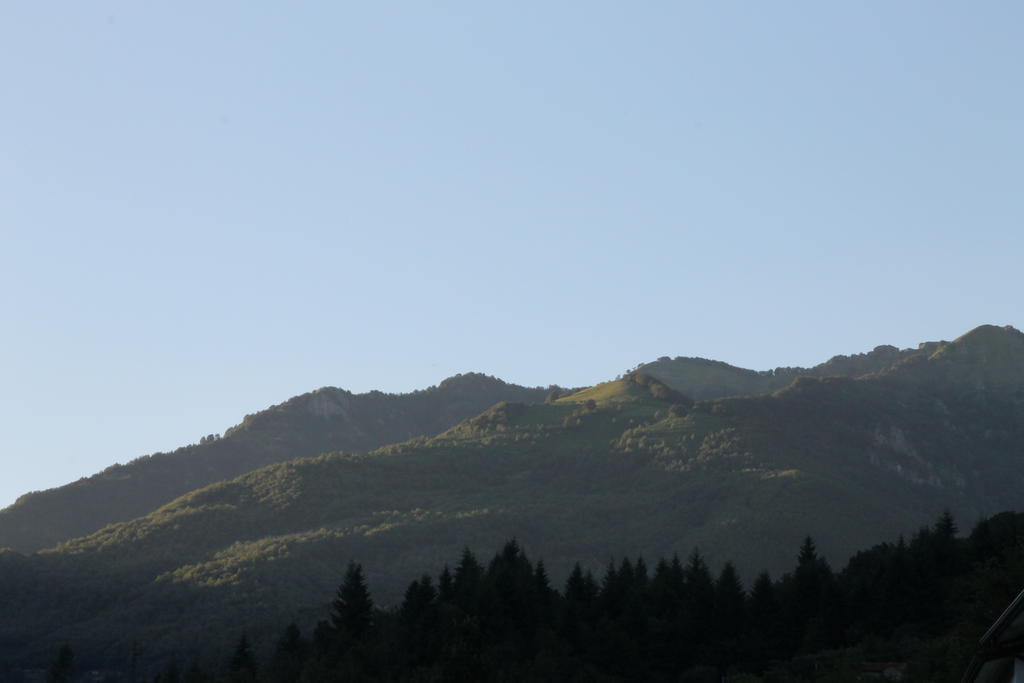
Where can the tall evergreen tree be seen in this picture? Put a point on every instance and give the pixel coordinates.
(947, 555)
(352, 609)
(946, 527)
(764, 620)
(466, 584)
(418, 622)
(700, 598)
(544, 595)
(579, 608)
(899, 583)
(807, 582)
(667, 588)
(580, 587)
(289, 654)
(728, 617)
(445, 585)
(243, 664)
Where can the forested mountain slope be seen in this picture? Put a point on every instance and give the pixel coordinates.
(328, 419)
(626, 467)
(332, 419)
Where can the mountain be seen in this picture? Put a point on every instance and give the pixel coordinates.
(328, 419)
(332, 419)
(701, 379)
(630, 466)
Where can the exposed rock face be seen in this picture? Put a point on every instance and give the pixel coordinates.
(328, 402)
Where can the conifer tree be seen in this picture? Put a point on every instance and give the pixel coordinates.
(580, 595)
(419, 596)
(417, 621)
(700, 597)
(352, 609)
(580, 592)
(807, 582)
(728, 617)
(611, 593)
(764, 605)
(764, 619)
(243, 663)
(896, 590)
(289, 655)
(445, 585)
(946, 527)
(466, 585)
(640, 575)
(543, 594)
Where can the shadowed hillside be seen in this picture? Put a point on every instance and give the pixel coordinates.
(324, 420)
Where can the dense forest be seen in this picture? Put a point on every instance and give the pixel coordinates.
(918, 604)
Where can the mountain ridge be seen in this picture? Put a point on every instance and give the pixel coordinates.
(322, 420)
(625, 467)
(41, 519)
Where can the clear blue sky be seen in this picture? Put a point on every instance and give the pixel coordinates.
(206, 208)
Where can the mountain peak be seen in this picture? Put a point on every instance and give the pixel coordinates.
(470, 380)
(987, 357)
(991, 336)
(986, 344)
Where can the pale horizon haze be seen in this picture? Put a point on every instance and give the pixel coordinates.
(207, 208)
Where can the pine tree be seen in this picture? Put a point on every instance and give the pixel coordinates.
(728, 617)
(417, 619)
(243, 664)
(580, 598)
(640, 575)
(948, 555)
(946, 527)
(466, 586)
(764, 620)
(808, 582)
(611, 594)
(445, 585)
(700, 597)
(289, 655)
(352, 609)
(580, 591)
(418, 599)
(764, 606)
(544, 595)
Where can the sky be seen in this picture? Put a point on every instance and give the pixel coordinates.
(207, 208)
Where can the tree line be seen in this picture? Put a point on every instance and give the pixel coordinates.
(923, 601)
